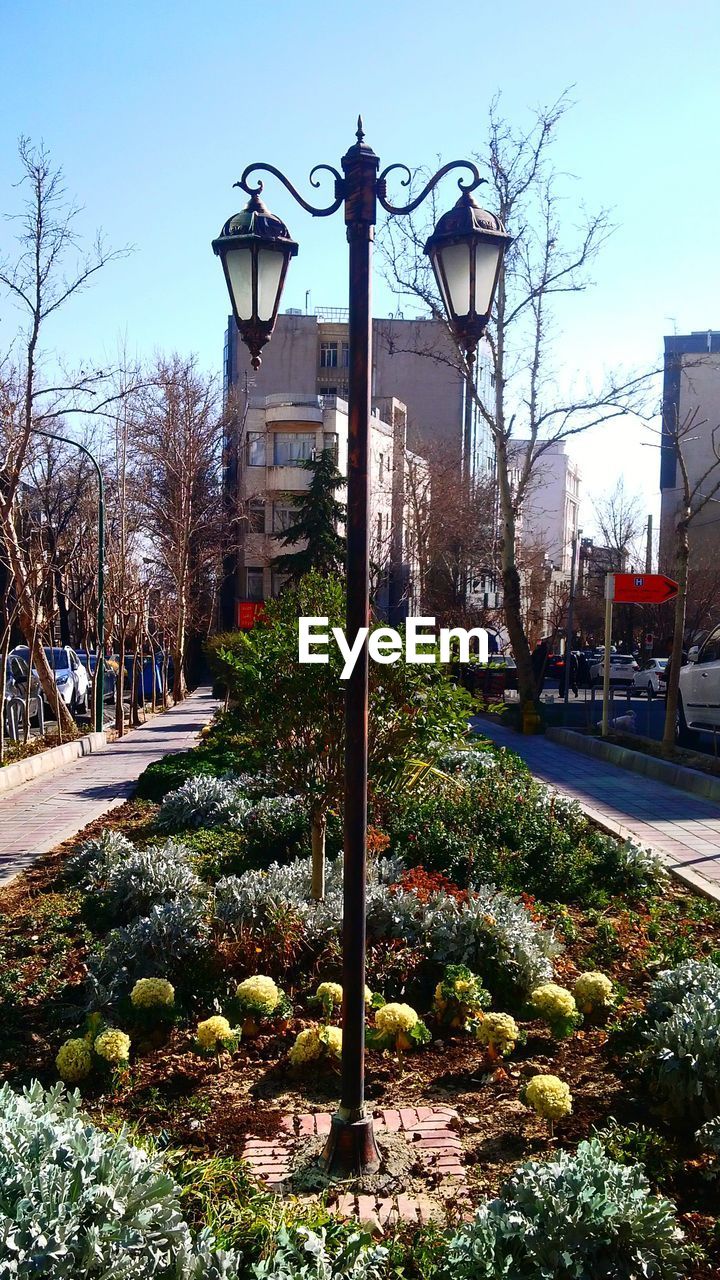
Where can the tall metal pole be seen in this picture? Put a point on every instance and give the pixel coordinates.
(350, 1148)
(99, 709)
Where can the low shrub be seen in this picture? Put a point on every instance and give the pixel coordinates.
(682, 1057)
(98, 857)
(170, 942)
(504, 827)
(579, 1217)
(672, 985)
(144, 879)
(491, 934)
(76, 1202)
(204, 802)
(306, 1253)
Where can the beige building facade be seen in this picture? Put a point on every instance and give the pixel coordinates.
(278, 433)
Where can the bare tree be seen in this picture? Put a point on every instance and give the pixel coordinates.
(48, 270)
(179, 460)
(524, 411)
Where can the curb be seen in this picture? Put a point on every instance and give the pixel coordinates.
(14, 775)
(675, 775)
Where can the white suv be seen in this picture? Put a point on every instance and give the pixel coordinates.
(699, 697)
(71, 678)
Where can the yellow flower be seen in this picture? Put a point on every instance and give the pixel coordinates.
(332, 1039)
(593, 990)
(152, 993)
(113, 1045)
(214, 1033)
(549, 1097)
(330, 991)
(259, 994)
(73, 1061)
(499, 1032)
(554, 1002)
(393, 1019)
(314, 1043)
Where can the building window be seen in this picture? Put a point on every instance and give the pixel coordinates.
(256, 515)
(330, 444)
(329, 391)
(328, 355)
(381, 469)
(291, 447)
(346, 355)
(254, 584)
(256, 449)
(284, 514)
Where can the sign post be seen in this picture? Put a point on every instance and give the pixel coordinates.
(609, 597)
(629, 588)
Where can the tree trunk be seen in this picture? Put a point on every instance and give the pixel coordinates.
(179, 688)
(512, 596)
(318, 821)
(682, 557)
(120, 689)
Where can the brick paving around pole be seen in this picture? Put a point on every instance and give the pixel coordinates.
(432, 1131)
(682, 828)
(39, 815)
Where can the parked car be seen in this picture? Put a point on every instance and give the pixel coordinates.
(16, 689)
(650, 679)
(622, 669)
(71, 677)
(699, 690)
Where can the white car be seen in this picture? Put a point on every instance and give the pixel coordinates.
(622, 669)
(71, 677)
(699, 689)
(649, 679)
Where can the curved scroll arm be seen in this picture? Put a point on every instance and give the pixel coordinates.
(270, 168)
(408, 208)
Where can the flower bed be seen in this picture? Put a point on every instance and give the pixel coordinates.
(543, 981)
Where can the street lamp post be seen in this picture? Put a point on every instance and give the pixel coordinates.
(466, 251)
(99, 717)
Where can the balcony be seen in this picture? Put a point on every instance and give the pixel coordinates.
(287, 479)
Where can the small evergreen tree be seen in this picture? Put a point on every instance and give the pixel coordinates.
(318, 515)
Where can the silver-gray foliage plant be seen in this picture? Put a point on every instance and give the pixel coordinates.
(76, 1202)
(205, 801)
(96, 858)
(160, 944)
(306, 1255)
(682, 1055)
(578, 1217)
(489, 932)
(160, 873)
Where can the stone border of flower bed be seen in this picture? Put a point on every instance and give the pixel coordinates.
(21, 771)
(675, 775)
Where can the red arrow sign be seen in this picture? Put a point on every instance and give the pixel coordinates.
(643, 588)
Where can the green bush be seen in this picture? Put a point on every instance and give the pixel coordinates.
(500, 825)
(579, 1217)
(76, 1202)
(170, 942)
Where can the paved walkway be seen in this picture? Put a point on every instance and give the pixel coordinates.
(41, 814)
(683, 828)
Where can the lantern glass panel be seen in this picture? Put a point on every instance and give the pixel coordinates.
(486, 261)
(270, 265)
(456, 265)
(238, 263)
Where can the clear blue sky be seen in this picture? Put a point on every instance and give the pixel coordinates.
(153, 109)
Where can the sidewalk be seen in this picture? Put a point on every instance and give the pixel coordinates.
(41, 814)
(684, 829)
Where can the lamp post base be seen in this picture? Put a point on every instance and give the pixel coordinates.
(350, 1150)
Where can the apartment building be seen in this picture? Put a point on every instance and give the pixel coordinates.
(550, 512)
(412, 362)
(691, 395)
(277, 434)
